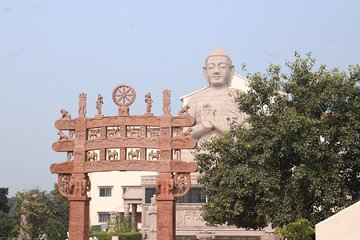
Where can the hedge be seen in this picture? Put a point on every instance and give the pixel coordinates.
(101, 235)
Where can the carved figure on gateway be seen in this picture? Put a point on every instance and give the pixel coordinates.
(213, 108)
(154, 155)
(134, 154)
(65, 114)
(62, 136)
(112, 154)
(91, 156)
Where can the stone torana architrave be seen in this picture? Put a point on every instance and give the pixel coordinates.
(123, 143)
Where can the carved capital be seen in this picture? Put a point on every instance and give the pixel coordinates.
(164, 187)
(73, 185)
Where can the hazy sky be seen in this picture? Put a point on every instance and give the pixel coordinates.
(50, 51)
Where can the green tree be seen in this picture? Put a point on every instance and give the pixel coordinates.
(42, 213)
(300, 157)
(34, 212)
(58, 224)
(7, 221)
(4, 200)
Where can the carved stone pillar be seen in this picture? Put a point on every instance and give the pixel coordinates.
(126, 210)
(79, 218)
(133, 217)
(79, 207)
(165, 207)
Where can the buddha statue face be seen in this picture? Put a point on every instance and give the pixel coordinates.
(218, 68)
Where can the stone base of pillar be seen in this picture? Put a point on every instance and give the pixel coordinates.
(166, 224)
(79, 218)
(151, 236)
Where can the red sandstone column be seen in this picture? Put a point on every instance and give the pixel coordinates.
(165, 207)
(79, 218)
(79, 185)
(79, 207)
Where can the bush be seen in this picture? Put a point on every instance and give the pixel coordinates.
(101, 235)
(95, 228)
(123, 224)
(301, 229)
(129, 236)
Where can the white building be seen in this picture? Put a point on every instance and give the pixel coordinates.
(238, 82)
(343, 225)
(107, 193)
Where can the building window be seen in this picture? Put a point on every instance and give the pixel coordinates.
(149, 192)
(104, 217)
(195, 195)
(105, 191)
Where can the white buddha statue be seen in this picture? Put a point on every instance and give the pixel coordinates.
(214, 108)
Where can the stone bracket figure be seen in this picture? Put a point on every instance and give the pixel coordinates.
(182, 184)
(64, 184)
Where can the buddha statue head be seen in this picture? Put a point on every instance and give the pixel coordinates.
(218, 69)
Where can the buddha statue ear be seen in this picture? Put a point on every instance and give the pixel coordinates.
(232, 72)
(206, 75)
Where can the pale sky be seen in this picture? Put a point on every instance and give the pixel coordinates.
(51, 51)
